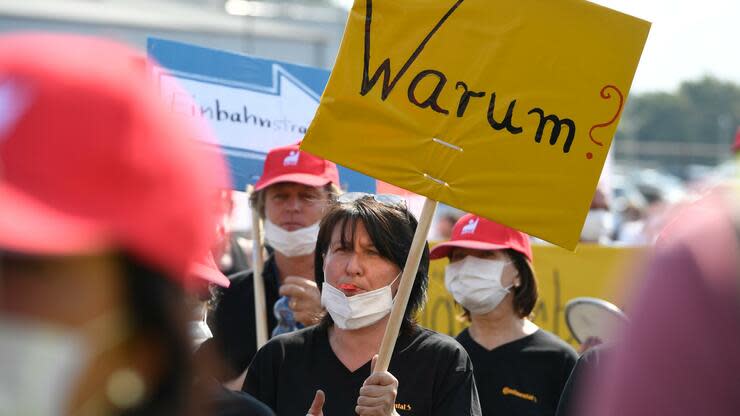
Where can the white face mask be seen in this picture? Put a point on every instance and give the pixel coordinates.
(598, 226)
(291, 243)
(358, 311)
(38, 367)
(200, 332)
(475, 283)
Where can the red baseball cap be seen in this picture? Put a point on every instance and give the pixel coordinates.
(474, 232)
(290, 164)
(206, 270)
(91, 160)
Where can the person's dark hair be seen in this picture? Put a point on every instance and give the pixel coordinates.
(157, 311)
(525, 296)
(391, 229)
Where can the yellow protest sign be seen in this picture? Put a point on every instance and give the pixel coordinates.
(595, 271)
(503, 108)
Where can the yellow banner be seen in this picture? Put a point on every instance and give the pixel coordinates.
(503, 108)
(596, 271)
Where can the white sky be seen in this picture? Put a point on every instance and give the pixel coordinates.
(688, 39)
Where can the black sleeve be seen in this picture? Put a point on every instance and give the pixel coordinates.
(570, 398)
(263, 373)
(234, 332)
(455, 390)
(238, 403)
(569, 360)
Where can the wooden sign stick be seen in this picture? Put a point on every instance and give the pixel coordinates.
(407, 283)
(260, 314)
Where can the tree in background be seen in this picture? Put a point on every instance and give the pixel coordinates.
(693, 125)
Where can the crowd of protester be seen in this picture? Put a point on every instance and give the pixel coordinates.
(124, 292)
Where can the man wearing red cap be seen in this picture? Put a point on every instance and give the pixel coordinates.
(519, 368)
(291, 197)
(205, 275)
(105, 204)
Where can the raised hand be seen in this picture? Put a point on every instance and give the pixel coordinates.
(317, 406)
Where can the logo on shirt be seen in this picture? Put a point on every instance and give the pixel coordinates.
(403, 406)
(470, 227)
(508, 391)
(292, 158)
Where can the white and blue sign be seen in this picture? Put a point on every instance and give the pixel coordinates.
(253, 104)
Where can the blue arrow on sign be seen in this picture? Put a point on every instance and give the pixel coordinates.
(252, 104)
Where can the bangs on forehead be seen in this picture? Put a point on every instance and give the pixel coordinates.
(379, 230)
(347, 229)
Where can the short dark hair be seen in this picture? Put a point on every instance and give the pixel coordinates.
(391, 228)
(526, 295)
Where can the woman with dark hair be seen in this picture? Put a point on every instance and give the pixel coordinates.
(520, 369)
(361, 250)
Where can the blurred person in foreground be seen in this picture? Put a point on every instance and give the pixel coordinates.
(205, 275)
(291, 196)
(105, 204)
(680, 355)
(520, 369)
(328, 368)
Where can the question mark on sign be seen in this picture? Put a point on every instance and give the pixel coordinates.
(605, 94)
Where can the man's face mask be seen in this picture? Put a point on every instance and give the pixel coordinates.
(300, 242)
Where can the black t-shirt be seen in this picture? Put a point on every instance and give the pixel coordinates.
(523, 377)
(434, 375)
(234, 330)
(225, 402)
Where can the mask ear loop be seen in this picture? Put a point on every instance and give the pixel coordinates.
(397, 277)
(393, 300)
(516, 274)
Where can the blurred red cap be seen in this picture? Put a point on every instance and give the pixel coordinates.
(206, 270)
(91, 160)
(290, 164)
(474, 232)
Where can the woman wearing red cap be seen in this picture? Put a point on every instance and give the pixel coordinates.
(291, 196)
(327, 369)
(519, 368)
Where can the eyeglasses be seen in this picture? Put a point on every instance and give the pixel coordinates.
(385, 199)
